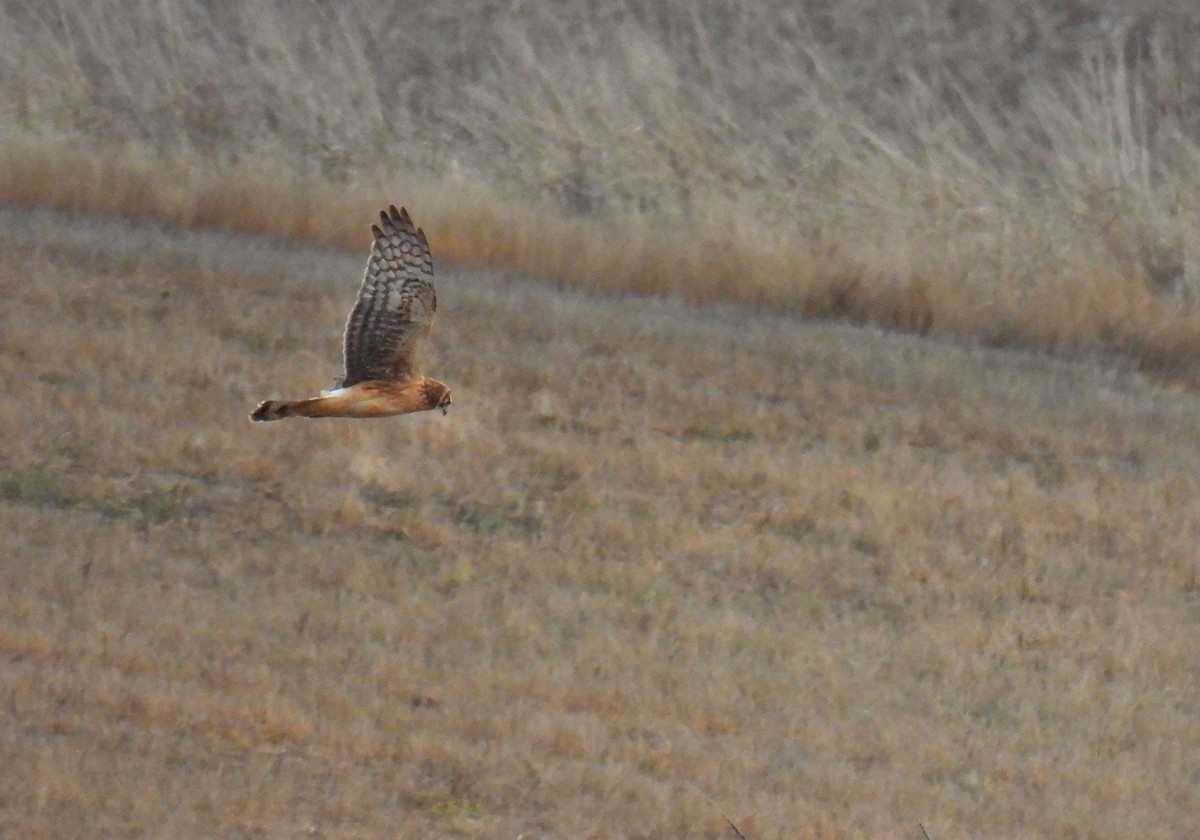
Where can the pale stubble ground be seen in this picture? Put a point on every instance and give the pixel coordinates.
(842, 582)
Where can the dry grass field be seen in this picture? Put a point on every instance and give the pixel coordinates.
(842, 583)
(824, 457)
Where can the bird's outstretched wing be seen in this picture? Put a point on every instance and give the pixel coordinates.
(394, 312)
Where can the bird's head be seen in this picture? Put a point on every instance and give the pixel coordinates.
(437, 395)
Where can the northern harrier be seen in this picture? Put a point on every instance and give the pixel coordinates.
(385, 334)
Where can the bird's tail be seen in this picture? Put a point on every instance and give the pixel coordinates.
(279, 409)
(270, 410)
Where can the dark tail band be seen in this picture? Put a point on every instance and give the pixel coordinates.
(269, 410)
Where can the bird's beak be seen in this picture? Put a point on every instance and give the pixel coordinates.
(445, 411)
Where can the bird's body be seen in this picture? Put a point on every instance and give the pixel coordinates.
(364, 399)
(385, 335)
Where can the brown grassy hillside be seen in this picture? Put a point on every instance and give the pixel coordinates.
(841, 582)
(696, 554)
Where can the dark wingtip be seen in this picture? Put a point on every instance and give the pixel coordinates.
(391, 218)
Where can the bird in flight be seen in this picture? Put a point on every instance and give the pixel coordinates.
(385, 335)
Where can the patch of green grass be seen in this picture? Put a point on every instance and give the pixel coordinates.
(717, 432)
(450, 808)
(486, 517)
(40, 487)
(149, 506)
(37, 486)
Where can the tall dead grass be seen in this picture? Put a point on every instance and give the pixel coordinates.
(1019, 172)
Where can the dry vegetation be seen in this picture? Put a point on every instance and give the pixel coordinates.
(841, 581)
(1025, 172)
